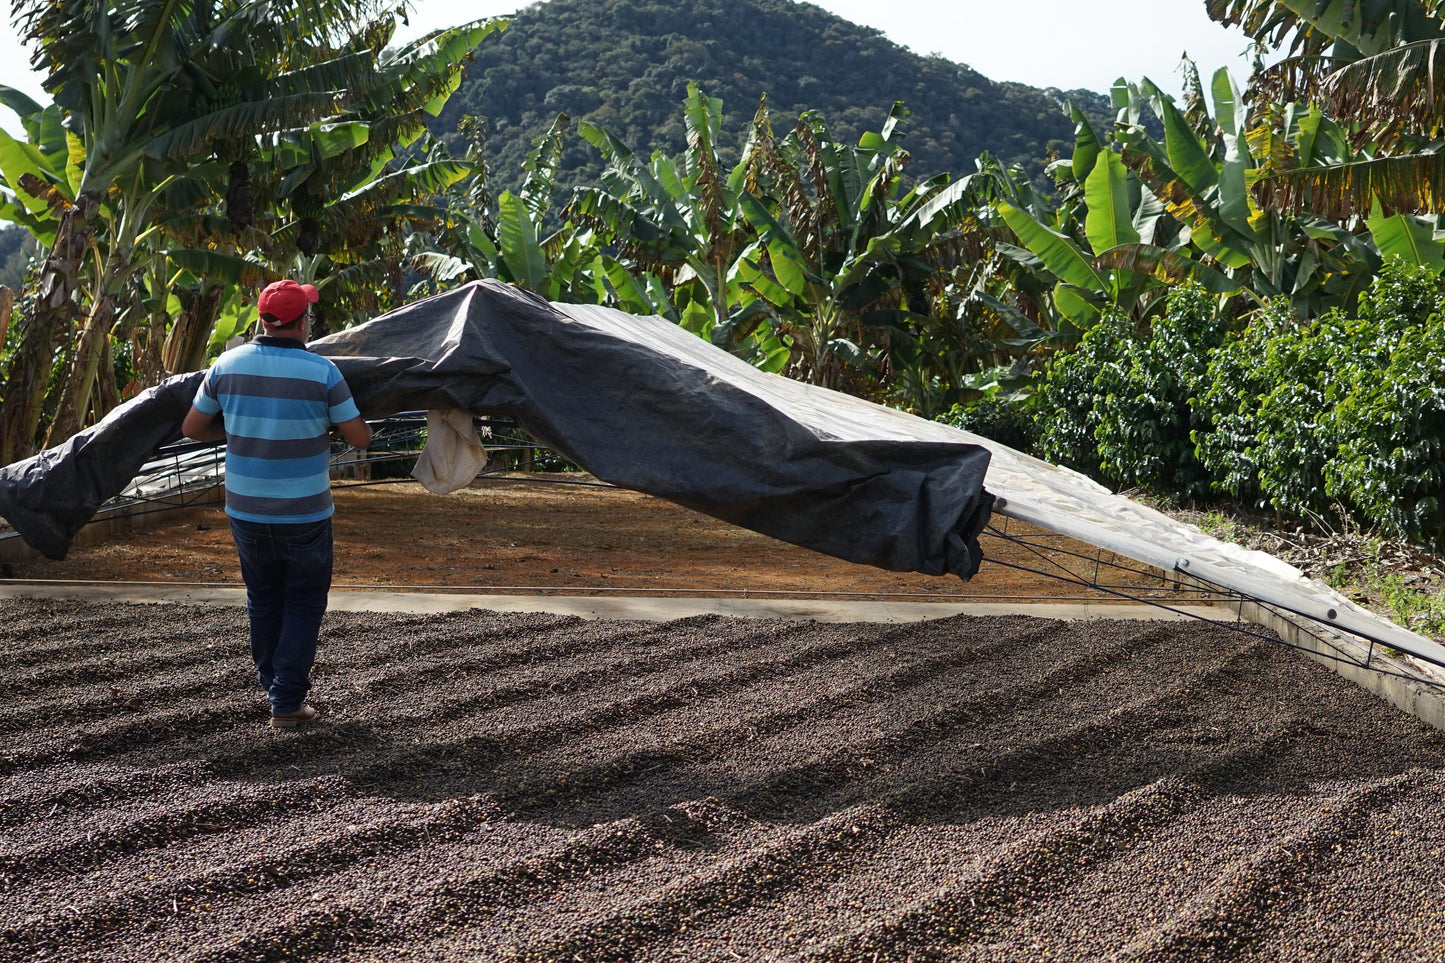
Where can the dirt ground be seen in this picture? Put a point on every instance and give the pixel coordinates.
(566, 534)
(485, 786)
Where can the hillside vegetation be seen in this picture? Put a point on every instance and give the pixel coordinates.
(625, 64)
(13, 256)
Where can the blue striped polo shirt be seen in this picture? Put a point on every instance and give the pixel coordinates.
(278, 400)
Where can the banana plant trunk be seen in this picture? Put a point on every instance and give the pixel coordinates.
(822, 325)
(109, 391)
(7, 310)
(720, 307)
(147, 349)
(51, 317)
(185, 345)
(75, 396)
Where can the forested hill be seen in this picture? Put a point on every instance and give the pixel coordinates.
(625, 65)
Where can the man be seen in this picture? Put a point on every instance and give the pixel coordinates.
(272, 401)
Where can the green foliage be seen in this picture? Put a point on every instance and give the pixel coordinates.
(1296, 434)
(1338, 413)
(1418, 611)
(1146, 422)
(1122, 403)
(1238, 378)
(1006, 420)
(679, 219)
(1268, 407)
(1405, 599)
(1400, 300)
(1373, 64)
(546, 460)
(1074, 392)
(1392, 421)
(139, 178)
(623, 66)
(846, 263)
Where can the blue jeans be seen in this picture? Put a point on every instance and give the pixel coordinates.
(287, 570)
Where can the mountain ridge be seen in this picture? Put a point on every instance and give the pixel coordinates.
(625, 65)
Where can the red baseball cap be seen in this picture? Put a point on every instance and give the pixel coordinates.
(285, 302)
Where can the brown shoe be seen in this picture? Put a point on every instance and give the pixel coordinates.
(290, 720)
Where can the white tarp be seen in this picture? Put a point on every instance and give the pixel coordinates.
(1072, 504)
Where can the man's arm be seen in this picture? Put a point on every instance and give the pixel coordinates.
(356, 431)
(199, 426)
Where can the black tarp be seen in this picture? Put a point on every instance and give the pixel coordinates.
(636, 401)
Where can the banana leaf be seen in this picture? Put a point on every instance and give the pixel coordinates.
(17, 158)
(430, 177)
(1188, 157)
(704, 119)
(1234, 199)
(761, 283)
(616, 215)
(22, 103)
(1166, 265)
(541, 167)
(1028, 331)
(842, 182)
(517, 239)
(1076, 304)
(219, 266)
(1109, 222)
(1087, 145)
(633, 175)
(42, 230)
(1147, 214)
(1408, 238)
(441, 268)
(235, 317)
(295, 112)
(946, 206)
(1059, 254)
(788, 267)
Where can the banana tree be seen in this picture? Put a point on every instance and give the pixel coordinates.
(1347, 29)
(1195, 213)
(1313, 262)
(841, 252)
(339, 198)
(503, 237)
(1108, 242)
(1373, 65)
(682, 225)
(38, 177)
(122, 76)
(209, 83)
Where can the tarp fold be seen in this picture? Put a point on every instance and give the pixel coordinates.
(636, 401)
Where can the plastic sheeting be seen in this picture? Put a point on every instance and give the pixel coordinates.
(1069, 503)
(636, 401)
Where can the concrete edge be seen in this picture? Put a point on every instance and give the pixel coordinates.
(1402, 683)
(1367, 666)
(111, 522)
(655, 609)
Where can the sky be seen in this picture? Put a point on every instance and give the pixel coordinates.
(1043, 43)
